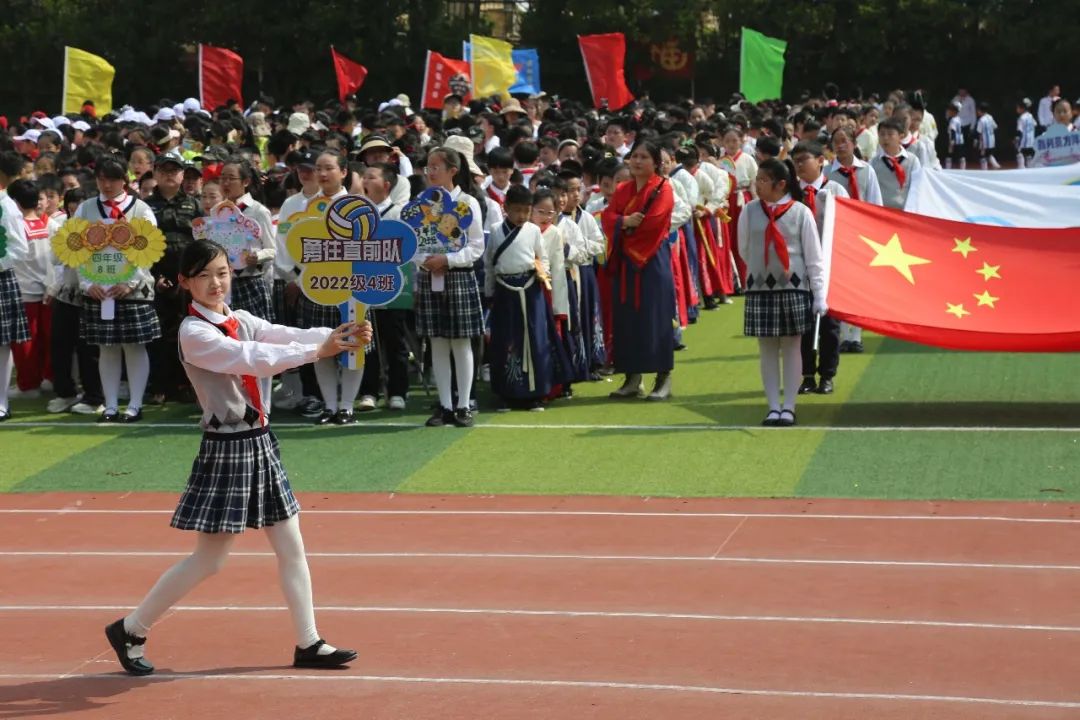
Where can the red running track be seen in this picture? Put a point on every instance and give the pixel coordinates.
(560, 608)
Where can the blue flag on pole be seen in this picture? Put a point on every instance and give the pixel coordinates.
(527, 64)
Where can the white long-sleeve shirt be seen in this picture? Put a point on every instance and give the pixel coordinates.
(284, 265)
(591, 234)
(473, 249)
(684, 204)
(1046, 111)
(35, 272)
(12, 221)
(800, 233)
(520, 257)
(553, 249)
(267, 250)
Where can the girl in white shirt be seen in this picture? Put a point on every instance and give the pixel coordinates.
(237, 480)
(251, 291)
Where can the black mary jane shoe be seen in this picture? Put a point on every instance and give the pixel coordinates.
(121, 641)
(440, 418)
(787, 418)
(309, 657)
(772, 419)
(463, 418)
(5, 415)
(131, 417)
(344, 417)
(109, 416)
(325, 418)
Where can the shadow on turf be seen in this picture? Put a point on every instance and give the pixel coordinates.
(953, 414)
(79, 693)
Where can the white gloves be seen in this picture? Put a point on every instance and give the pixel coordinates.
(820, 308)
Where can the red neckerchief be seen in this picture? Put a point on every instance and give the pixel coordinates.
(914, 139)
(810, 195)
(251, 383)
(853, 184)
(773, 237)
(494, 195)
(894, 164)
(114, 205)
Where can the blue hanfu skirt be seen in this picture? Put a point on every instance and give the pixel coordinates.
(642, 316)
(522, 329)
(592, 319)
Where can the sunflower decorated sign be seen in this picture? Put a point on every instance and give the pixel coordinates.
(228, 226)
(108, 254)
(349, 257)
(439, 221)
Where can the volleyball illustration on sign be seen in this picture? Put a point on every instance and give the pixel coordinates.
(229, 227)
(350, 257)
(439, 221)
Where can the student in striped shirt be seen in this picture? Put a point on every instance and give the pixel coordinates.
(985, 128)
(1025, 134)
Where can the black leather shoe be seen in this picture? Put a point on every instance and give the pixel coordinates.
(825, 387)
(772, 419)
(121, 641)
(344, 417)
(463, 418)
(5, 415)
(309, 657)
(109, 416)
(787, 418)
(808, 386)
(130, 418)
(440, 418)
(325, 418)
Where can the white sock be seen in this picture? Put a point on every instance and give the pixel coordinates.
(326, 374)
(994, 163)
(350, 387)
(440, 366)
(769, 348)
(963, 163)
(138, 367)
(855, 333)
(6, 368)
(463, 366)
(791, 349)
(295, 579)
(110, 367)
(211, 550)
(1020, 160)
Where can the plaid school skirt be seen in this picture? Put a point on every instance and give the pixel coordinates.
(453, 313)
(252, 294)
(778, 314)
(134, 323)
(236, 482)
(14, 327)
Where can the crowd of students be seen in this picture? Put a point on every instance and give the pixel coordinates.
(598, 238)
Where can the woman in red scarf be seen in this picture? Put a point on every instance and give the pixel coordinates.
(637, 224)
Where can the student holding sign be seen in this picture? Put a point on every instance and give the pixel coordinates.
(251, 291)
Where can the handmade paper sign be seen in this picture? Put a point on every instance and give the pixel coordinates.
(108, 254)
(1057, 146)
(350, 258)
(438, 221)
(229, 227)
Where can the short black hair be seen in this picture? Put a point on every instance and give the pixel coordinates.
(518, 195)
(812, 147)
(25, 193)
(110, 167)
(500, 157)
(526, 152)
(891, 124)
(11, 163)
(389, 172)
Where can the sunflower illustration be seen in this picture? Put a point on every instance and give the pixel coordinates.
(120, 235)
(69, 243)
(146, 244)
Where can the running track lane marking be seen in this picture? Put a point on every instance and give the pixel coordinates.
(695, 427)
(571, 684)
(564, 614)
(557, 556)
(76, 510)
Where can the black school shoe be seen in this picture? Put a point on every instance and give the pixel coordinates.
(325, 418)
(825, 387)
(121, 641)
(463, 418)
(5, 415)
(109, 416)
(131, 417)
(808, 386)
(344, 417)
(309, 657)
(440, 418)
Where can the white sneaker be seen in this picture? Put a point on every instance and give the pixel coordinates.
(24, 394)
(61, 404)
(366, 404)
(396, 403)
(46, 386)
(82, 408)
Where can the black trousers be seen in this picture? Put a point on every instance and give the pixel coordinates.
(827, 359)
(66, 349)
(389, 345)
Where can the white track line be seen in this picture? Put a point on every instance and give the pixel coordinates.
(514, 612)
(693, 427)
(75, 510)
(566, 684)
(562, 557)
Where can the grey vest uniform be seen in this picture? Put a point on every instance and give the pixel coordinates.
(862, 179)
(822, 198)
(892, 195)
(770, 277)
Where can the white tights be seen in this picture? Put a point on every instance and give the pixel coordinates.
(461, 348)
(772, 349)
(6, 367)
(211, 550)
(326, 374)
(111, 365)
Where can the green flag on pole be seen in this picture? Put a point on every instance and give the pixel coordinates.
(761, 66)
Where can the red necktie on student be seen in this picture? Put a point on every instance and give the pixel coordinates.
(810, 193)
(115, 213)
(773, 236)
(231, 327)
(894, 164)
(852, 181)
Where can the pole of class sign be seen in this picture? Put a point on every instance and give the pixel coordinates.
(350, 258)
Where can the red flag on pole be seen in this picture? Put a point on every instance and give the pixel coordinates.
(350, 74)
(951, 284)
(221, 76)
(604, 57)
(443, 76)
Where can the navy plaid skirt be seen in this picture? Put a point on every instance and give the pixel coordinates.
(453, 313)
(782, 313)
(14, 327)
(134, 323)
(252, 294)
(236, 482)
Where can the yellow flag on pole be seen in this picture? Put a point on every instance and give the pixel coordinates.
(493, 71)
(87, 77)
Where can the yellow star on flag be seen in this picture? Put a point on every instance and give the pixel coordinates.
(892, 255)
(989, 271)
(964, 247)
(986, 299)
(957, 310)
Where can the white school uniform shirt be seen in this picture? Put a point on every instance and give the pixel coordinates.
(577, 252)
(1025, 131)
(956, 131)
(691, 194)
(267, 250)
(684, 206)
(869, 192)
(35, 273)
(923, 149)
(985, 127)
(12, 221)
(597, 203)
(721, 182)
(388, 209)
(591, 233)
(402, 190)
(519, 257)
(473, 249)
(553, 249)
(807, 237)
(928, 128)
(967, 110)
(274, 349)
(823, 187)
(866, 139)
(95, 210)
(1046, 111)
(284, 266)
(491, 143)
(746, 168)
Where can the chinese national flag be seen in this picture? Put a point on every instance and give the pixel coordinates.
(443, 76)
(350, 74)
(221, 76)
(955, 285)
